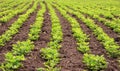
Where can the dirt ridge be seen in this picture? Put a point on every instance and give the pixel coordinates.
(97, 48)
(20, 36)
(71, 58)
(34, 59)
(5, 26)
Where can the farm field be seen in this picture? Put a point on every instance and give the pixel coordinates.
(59, 35)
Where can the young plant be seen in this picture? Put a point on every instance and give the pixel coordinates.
(94, 62)
(12, 62)
(51, 55)
(22, 47)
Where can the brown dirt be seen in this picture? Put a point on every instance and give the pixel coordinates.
(20, 36)
(34, 59)
(102, 16)
(110, 19)
(5, 26)
(71, 58)
(97, 48)
(117, 17)
(108, 31)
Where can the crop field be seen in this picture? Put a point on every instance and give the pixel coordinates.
(59, 35)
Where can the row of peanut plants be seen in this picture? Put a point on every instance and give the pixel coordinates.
(113, 24)
(5, 4)
(93, 62)
(13, 29)
(12, 13)
(50, 53)
(11, 6)
(106, 9)
(19, 5)
(14, 58)
(111, 47)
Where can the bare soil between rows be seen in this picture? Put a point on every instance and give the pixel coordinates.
(109, 31)
(20, 36)
(97, 48)
(106, 29)
(5, 26)
(71, 58)
(34, 59)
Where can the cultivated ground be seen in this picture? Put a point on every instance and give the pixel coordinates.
(50, 35)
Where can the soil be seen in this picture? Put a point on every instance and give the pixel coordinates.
(97, 48)
(108, 31)
(5, 26)
(110, 19)
(117, 17)
(20, 36)
(71, 58)
(102, 16)
(34, 60)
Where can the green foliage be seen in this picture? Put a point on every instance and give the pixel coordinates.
(35, 28)
(83, 47)
(13, 29)
(51, 55)
(108, 10)
(80, 36)
(94, 62)
(22, 47)
(13, 59)
(12, 62)
(111, 47)
(7, 15)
